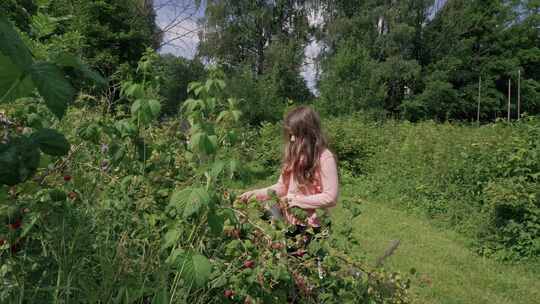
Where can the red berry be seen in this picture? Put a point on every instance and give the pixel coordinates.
(72, 195)
(249, 264)
(16, 225)
(228, 293)
(67, 178)
(2, 242)
(299, 253)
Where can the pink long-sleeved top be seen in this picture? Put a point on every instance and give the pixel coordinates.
(322, 193)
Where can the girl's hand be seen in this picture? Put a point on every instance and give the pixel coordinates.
(284, 204)
(246, 196)
(289, 199)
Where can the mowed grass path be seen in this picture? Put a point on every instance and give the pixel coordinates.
(446, 270)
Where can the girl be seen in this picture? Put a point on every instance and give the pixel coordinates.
(309, 177)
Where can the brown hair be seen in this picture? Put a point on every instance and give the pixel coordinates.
(301, 155)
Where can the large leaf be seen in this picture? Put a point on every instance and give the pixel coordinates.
(170, 238)
(126, 128)
(53, 86)
(51, 142)
(132, 90)
(194, 268)
(90, 132)
(189, 201)
(198, 198)
(203, 143)
(215, 222)
(14, 83)
(217, 168)
(12, 46)
(19, 160)
(68, 60)
(146, 110)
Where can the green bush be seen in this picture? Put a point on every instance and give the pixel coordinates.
(483, 181)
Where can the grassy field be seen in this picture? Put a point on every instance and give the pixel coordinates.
(447, 271)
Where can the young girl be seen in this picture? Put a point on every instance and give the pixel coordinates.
(309, 177)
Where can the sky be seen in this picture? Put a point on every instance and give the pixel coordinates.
(179, 17)
(186, 14)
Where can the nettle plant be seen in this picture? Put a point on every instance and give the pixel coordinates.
(36, 82)
(222, 251)
(125, 140)
(24, 77)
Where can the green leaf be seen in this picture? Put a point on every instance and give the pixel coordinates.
(146, 110)
(52, 86)
(203, 143)
(217, 168)
(19, 160)
(3, 194)
(12, 46)
(198, 198)
(57, 195)
(170, 238)
(215, 222)
(28, 226)
(51, 142)
(43, 25)
(194, 268)
(198, 90)
(133, 90)
(213, 144)
(189, 201)
(155, 107)
(90, 132)
(117, 152)
(68, 60)
(14, 83)
(126, 128)
(161, 297)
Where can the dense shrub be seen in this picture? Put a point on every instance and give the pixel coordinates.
(484, 181)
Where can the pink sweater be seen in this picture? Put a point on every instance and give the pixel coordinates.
(323, 193)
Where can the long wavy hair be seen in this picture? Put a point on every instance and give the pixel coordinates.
(304, 143)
